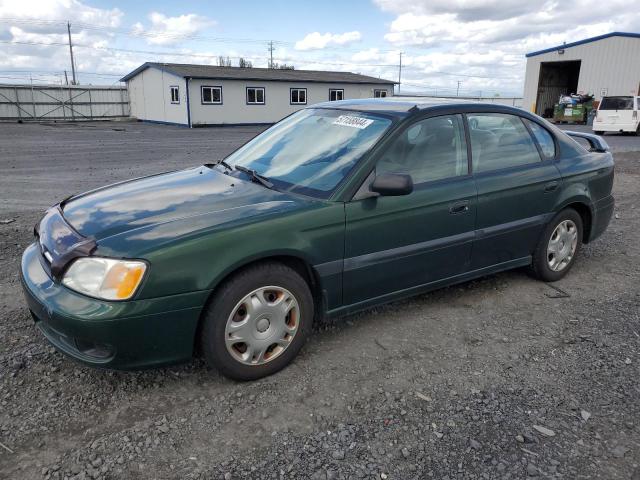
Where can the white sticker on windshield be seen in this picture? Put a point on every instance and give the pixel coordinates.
(351, 121)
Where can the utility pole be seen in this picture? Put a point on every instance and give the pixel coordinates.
(73, 67)
(66, 79)
(271, 54)
(458, 89)
(400, 73)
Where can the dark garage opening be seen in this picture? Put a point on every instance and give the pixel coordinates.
(556, 78)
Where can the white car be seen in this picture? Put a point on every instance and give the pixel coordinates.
(617, 114)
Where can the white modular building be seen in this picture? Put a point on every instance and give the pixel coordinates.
(201, 95)
(605, 65)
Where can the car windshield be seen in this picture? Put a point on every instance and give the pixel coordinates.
(616, 103)
(311, 151)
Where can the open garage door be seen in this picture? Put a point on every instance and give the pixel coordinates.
(556, 78)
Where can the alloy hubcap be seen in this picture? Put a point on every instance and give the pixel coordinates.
(562, 245)
(262, 325)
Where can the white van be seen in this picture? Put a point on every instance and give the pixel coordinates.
(617, 114)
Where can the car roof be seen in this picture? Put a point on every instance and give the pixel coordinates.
(403, 106)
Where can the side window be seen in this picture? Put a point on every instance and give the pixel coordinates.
(175, 94)
(379, 93)
(431, 149)
(255, 95)
(298, 96)
(211, 95)
(499, 141)
(336, 94)
(544, 139)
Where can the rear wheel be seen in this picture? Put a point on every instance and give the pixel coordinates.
(558, 247)
(257, 322)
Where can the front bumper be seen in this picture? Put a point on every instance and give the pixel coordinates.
(120, 335)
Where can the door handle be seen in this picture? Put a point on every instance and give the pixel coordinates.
(550, 187)
(460, 207)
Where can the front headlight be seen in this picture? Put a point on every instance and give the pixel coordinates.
(105, 278)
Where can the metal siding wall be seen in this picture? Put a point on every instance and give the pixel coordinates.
(612, 63)
(234, 109)
(49, 102)
(150, 97)
(532, 74)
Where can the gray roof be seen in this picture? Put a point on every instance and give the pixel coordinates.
(271, 74)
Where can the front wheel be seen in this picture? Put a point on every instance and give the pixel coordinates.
(257, 322)
(558, 247)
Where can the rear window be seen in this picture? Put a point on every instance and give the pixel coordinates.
(616, 103)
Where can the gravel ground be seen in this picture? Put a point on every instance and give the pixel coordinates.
(501, 378)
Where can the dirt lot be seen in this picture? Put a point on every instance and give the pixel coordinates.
(503, 377)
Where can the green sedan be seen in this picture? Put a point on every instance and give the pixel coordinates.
(337, 208)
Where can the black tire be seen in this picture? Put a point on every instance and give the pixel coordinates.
(212, 336)
(599, 132)
(539, 266)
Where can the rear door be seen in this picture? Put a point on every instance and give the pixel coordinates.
(394, 244)
(518, 185)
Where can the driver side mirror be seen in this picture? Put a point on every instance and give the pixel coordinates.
(392, 184)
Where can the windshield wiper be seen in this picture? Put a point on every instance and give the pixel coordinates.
(220, 162)
(225, 165)
(255, 176)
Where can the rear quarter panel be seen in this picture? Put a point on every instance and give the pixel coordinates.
(588, 178)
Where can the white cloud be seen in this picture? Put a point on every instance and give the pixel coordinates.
(166, 30)
(317, 41)
(483, 42)
(61, 10)
(39, 22)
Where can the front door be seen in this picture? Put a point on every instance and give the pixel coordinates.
(518, 186)
(396, 243)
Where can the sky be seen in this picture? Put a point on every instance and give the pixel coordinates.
(466, 47)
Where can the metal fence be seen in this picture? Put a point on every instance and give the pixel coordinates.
(63, 102)
(510, 101)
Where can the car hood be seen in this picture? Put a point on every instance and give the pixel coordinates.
(161, 199)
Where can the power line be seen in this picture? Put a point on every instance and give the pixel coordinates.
(413, 67)
(423, 70)
(133, 33)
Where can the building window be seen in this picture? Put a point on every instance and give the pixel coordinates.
(378, 93)
(175, 94)
(298, 96)
(255, 95)
(211, 95)
(336, 94)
